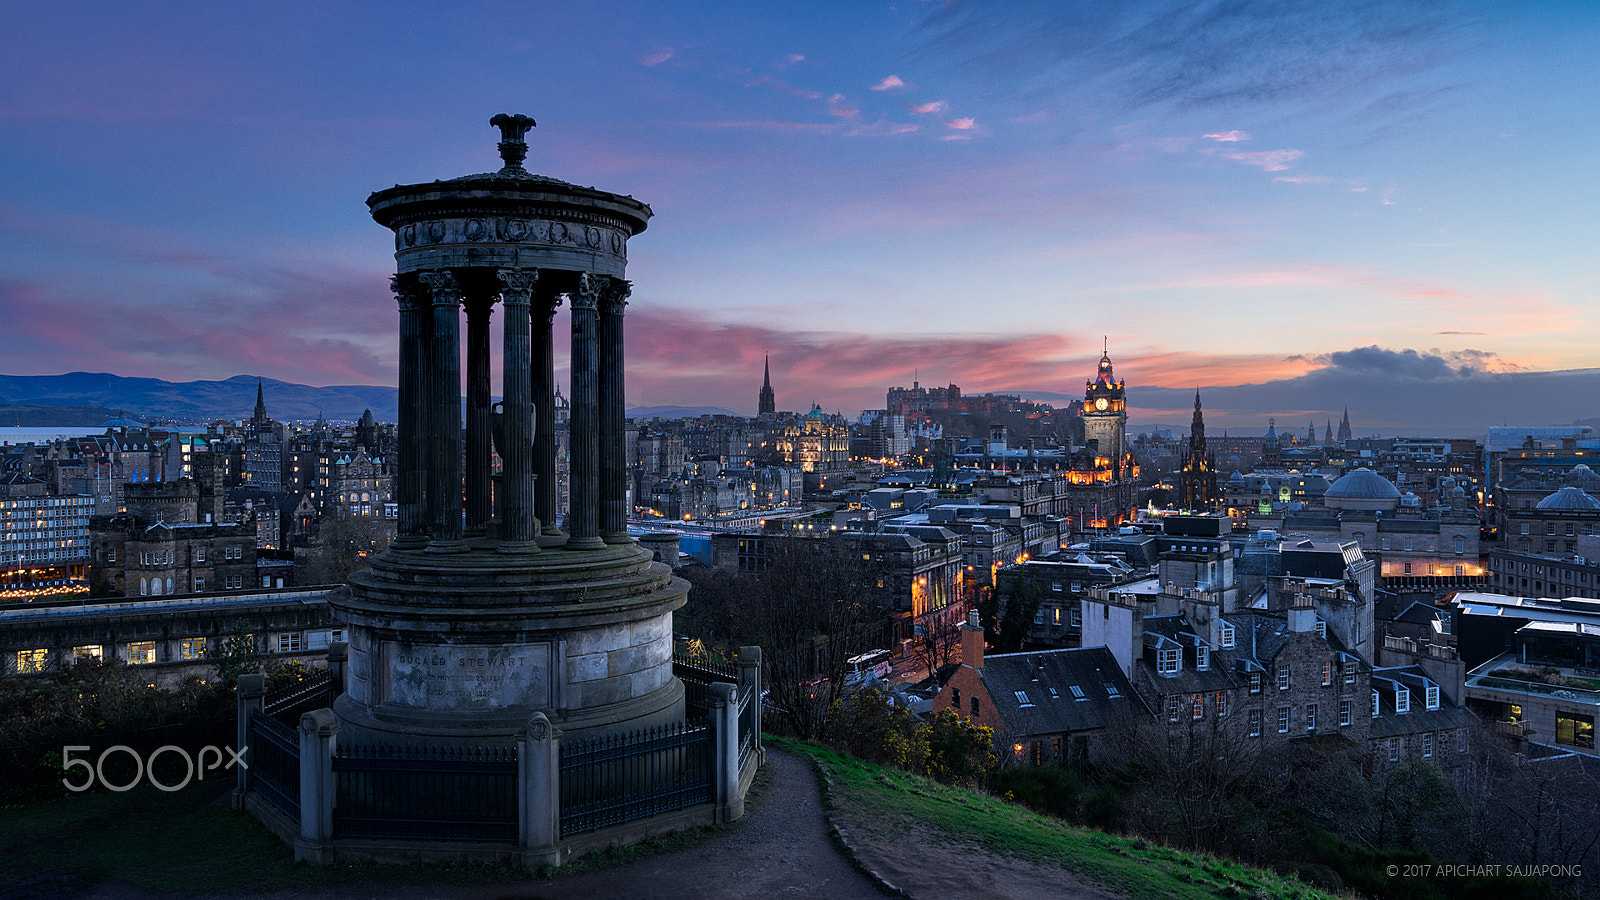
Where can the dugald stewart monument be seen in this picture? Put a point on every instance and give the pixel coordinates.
(485, 631)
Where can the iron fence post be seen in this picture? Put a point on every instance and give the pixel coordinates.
(251, 690)
(318, 732)
(539, 792)
(750, 686)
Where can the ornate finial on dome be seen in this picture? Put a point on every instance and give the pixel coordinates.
(513, 149)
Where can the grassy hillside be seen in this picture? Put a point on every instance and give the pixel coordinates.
(894, 801)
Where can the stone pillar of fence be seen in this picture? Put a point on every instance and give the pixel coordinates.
(338, 658)
(750, 686)
(252, 688)
(319, 730)
(539, 792)
(724, 717)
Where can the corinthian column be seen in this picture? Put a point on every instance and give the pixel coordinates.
(544, 407)
(583, 520)
(444, 456)
(516, 452)
(480, 417)
(613, 443)
(411, 470)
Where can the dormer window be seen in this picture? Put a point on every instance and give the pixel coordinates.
(1322, 628)
(1402, 700)
(1376, 705)
(1255, 682)
(1225, 635)
(1433, 696)
(1022, 698)
(1202, 657)
(1169, 660)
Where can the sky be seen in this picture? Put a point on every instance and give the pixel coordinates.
(1293, 206)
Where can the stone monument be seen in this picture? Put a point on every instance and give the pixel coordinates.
(482, 612)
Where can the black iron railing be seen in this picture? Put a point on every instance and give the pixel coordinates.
(450, 793)
(749, 723)
(315, 692)
(274, 757)
(618, 778)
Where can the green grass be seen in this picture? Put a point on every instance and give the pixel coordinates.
(1131, 867)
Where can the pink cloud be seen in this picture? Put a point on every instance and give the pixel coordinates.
(964, 123)
(792, 58)
(656, 57)
(1229, 137)
(783, 87)
(1268, 160)
(926, 109)
(890, 82)
(1303, 179)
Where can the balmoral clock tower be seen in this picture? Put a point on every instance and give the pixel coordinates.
(1105, 413)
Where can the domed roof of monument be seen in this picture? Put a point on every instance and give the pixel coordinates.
(1363, 484)
(1583, 478)
(1571, 498)
(122, 423)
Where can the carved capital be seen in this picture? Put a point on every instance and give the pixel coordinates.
(615, 298)
(591, 289)
(517, 285)
(406, 293)
(441, 285)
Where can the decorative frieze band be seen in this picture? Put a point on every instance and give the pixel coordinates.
(518, 230)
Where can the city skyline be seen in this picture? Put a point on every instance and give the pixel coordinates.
(1296, 207)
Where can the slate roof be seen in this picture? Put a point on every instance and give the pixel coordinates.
(1419, 719)
(1034, 674)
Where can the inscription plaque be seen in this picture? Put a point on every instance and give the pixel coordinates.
(455, 676)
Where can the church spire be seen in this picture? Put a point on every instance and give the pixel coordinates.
(767, 402)
(261, 403)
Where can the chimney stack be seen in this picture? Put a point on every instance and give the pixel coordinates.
(972, 642)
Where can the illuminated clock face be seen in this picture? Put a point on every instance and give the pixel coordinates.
(1101, 404)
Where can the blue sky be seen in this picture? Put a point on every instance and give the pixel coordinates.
(1286, 196)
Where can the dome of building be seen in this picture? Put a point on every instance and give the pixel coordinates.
(1364, 484)
(1569, 498)
(1583, 478)
(122, 423)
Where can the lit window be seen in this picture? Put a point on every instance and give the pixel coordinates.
(32, 660)
(290, 643)
(192, 648)
(141, 653)
(1199, 706)
(1327, 673)
(1220, 703)
(87, 651)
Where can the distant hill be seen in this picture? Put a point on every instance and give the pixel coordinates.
(190, 401)
(677, 412)
(54, 415)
